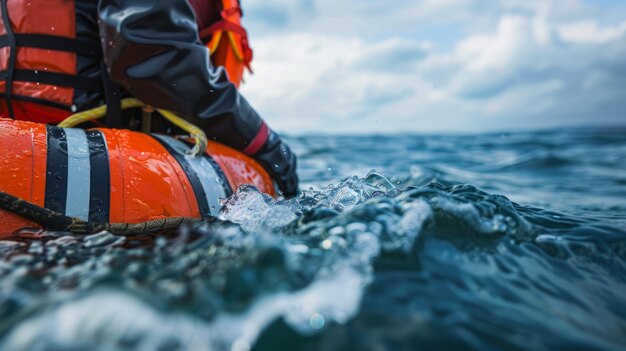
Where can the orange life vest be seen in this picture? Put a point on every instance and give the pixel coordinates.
(48, 58)
(38, 59)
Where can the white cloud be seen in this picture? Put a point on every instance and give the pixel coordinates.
(590, 32)
(361, 68)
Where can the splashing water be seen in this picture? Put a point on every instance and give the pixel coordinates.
(410, 255)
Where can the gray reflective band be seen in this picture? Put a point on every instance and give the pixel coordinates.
(207, 176)
(78, 177)
(211, 182)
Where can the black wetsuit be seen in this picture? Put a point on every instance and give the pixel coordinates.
(153, 51)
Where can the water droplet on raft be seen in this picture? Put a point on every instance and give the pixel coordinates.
(73, 108)
(36, 71)
(51, 28)
(275, 165)
(317, 321)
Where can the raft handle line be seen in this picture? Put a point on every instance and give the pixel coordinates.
(51, 220)
(195, 132)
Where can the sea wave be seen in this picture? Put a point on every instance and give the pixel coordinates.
(416, 257)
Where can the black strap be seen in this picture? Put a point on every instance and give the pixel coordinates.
(100, 179)
(56, 170)
(52, 78)
(8, 89)
(82, 47)
(113, 99)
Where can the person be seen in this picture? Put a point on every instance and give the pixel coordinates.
(58, 57)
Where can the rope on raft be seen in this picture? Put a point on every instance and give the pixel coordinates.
(196, 133)
(52, 220)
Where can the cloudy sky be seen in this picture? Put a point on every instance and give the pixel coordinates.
(363, 66)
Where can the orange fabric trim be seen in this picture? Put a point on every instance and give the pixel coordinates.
(53, 93)
(56, 17)
(229, 43)
(30, 111)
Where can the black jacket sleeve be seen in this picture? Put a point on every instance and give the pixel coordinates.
(152, 49)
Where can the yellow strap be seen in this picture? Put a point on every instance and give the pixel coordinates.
(215, 41)
(95, 113)
(217, 38)
(194, 131)
(99, 112)
(233, 43)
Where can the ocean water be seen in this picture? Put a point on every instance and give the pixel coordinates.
(503, 241)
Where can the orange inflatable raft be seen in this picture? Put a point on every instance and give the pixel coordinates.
(120, 176)
(116, 176)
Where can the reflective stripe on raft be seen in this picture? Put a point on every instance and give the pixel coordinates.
(220, 172)
(202, 175)
(79, 174)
